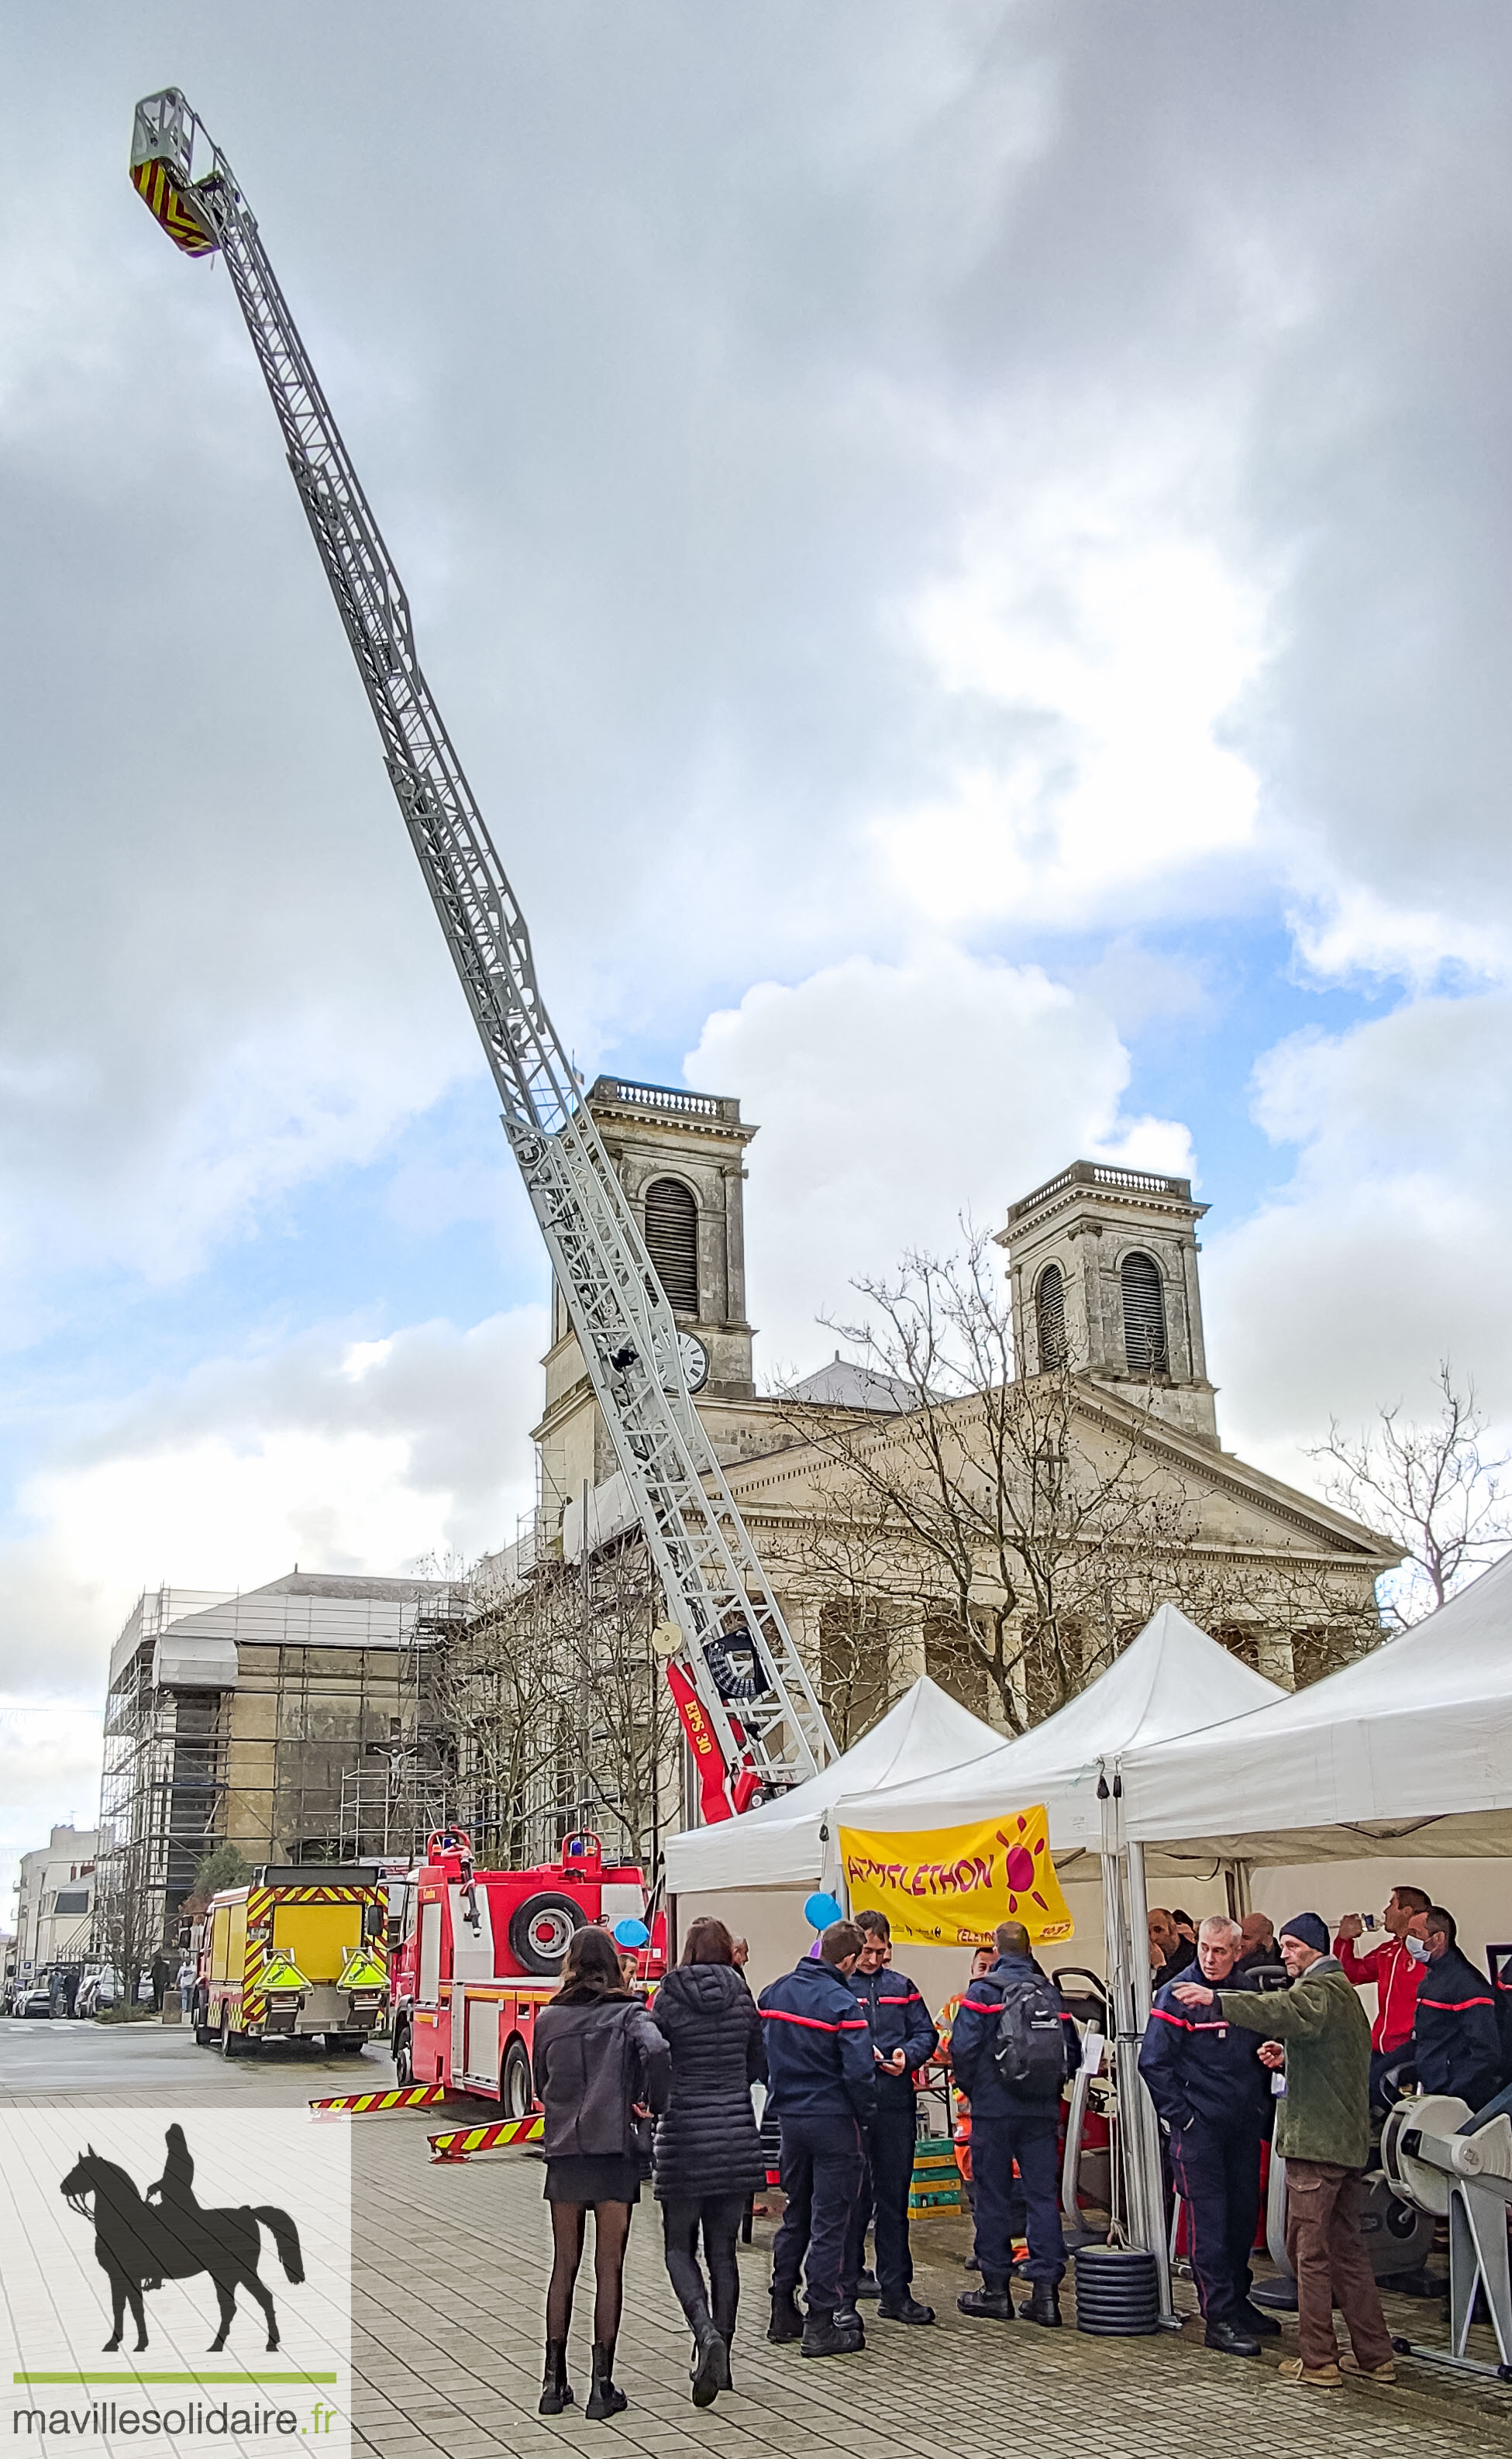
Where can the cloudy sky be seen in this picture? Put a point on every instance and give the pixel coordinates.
(964, 547)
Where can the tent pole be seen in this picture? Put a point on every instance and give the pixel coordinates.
(1115, 1933)
(1142, 2127)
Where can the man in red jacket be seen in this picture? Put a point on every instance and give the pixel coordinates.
(1396, 1973)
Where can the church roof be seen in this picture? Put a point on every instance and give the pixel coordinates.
(844, 1384)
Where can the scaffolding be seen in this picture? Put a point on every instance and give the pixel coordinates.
(286, 1721)
(162, 1788)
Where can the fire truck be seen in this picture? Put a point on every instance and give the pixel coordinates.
(299, 1951)
(476, 1954)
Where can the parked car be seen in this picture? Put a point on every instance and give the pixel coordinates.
(33, 1998)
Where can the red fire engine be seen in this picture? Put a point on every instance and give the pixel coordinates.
(477, 1953)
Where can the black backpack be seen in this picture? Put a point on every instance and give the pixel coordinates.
(1029, 2046)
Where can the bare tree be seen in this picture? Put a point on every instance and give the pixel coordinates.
(546, 1708)
(1431, 1489)
(1029, 1524)
(224, 1867)
(126, 1919)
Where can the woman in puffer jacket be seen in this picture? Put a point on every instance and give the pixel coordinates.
(600, 2066)
(709, 2158)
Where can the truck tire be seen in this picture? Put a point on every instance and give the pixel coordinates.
(232, 2043)
(540, 1932)
(403, 2057)
(515, 2089)
(204, 2038)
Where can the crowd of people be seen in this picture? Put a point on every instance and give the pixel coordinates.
(1229, 2064)
(631, 2088)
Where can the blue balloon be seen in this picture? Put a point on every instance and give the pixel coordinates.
(821, 1910)
(631, 1933)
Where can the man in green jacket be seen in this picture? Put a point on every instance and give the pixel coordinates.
(1322, 2132)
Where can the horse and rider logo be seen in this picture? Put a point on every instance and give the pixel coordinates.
(140, 2241)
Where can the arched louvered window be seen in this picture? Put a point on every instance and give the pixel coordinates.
(1050, 1317)
(1143, 1315)
(671, 1234)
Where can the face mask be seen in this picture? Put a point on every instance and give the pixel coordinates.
(1416, 1948)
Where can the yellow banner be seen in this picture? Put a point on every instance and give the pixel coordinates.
(951, 1887)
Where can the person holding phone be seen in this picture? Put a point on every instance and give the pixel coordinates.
(903, 2039)
(1396, 1972)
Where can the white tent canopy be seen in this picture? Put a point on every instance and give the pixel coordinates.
(780, 1846)
(1412, 1746)
(1170, 1679)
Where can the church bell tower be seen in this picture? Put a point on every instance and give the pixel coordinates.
(1103, 1270)
(680, 1157)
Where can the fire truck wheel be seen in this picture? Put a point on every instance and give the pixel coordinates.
(232, 2044)
(540, 1932)
(204, 2038)
(515, 2091)
(403, 2058)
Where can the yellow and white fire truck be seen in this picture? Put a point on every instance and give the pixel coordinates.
(300, 1951)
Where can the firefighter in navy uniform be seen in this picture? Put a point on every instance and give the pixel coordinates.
(903, 2039)
(1455, 2045)
(1213, 2097)
(820, 2088)
(1013, 2046)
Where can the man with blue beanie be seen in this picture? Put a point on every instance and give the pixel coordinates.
(1318, 2029)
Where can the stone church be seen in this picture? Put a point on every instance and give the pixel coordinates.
(1102, 1264)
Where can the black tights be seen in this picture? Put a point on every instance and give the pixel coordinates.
(611, 2230)
(720, 2217)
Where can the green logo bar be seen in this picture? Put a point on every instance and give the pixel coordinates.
(173, 2378)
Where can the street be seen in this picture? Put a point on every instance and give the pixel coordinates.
(449, 2271)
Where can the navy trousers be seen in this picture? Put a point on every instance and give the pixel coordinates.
(1216, 2170)
(996, 2143)
(883, 2199)
(820, 2166)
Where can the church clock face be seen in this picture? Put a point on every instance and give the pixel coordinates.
(695, 1360)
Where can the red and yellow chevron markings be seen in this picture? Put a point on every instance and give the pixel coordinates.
(464, 2140)
(367, 2104)
(155, 184)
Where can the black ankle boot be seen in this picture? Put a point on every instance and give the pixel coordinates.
(1045, 2304)
(991, 2302)
(605, 2399)
(787, 2323)
(825, 2336)
(555, 2388)
(710, 2368)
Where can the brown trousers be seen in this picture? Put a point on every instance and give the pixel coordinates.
(1328, 2254)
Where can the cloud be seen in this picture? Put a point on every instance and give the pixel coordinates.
(344, 1454)
(1094, 638)
(50, 1763)
(1378, 1257)
(892, 1099)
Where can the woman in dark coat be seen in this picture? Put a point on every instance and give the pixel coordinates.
(600, 2066)
(708, 2158)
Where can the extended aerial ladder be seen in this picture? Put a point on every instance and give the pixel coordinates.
(738, 1680)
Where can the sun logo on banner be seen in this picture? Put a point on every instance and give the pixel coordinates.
(1020, 1865)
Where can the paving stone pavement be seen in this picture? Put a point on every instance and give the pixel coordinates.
(449, 2287)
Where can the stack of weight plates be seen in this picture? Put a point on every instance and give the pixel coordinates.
(1115, 2292)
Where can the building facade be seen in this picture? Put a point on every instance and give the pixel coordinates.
(55, 1902)
(280, 1720)
(1104, 1292)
